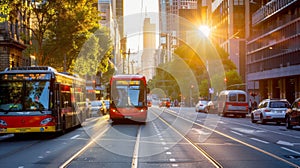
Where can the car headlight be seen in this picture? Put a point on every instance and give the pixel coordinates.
(3, 123)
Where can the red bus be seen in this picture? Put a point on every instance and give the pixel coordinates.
(128, 95)
(40, 99)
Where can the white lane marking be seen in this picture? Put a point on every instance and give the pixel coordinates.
(172, 160)
(258, 140)
(166, 148)
(164, 143)
(290, 150)
(201, 132)
(237, 133)
(169, 153)
(263, 129)
(247, 131)
(73, 137)
(84, 148)
(174, 165)
(284, 143)
(134, 162)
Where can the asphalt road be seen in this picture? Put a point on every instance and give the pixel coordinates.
(172, 137)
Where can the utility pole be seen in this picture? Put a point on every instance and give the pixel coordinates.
(124, 57)
(128, 61)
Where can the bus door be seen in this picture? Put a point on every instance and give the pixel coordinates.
(57, 105)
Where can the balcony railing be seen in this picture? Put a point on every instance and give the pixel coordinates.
(270, 9)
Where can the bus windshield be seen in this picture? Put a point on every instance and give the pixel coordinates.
(128, 94)
(29, 95)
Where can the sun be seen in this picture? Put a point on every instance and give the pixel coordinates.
(205, 30)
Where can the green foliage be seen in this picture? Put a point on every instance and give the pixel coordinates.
(105, 77)
(203, 88)
(4, 10)
(196, 65)
(234, 80)
(60, 29)
(75, 24)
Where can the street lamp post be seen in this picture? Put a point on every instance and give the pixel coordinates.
(191, 95)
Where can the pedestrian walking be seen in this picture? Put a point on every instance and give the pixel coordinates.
(250, 105)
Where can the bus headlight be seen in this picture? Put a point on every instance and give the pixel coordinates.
(115, 111)
(3, 123)
(45, 121)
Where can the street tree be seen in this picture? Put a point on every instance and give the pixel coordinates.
(4, 10)
(59, 28)
(75, 25)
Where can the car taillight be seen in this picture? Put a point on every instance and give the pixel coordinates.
(267, 110)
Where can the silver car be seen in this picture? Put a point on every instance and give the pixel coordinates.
(270, 110)
(202, 106)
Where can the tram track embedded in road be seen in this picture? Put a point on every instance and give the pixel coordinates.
(226, 136)
(193, 144)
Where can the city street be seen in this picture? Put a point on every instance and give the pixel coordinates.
(172, 137)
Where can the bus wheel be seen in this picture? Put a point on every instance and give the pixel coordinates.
(63, 128)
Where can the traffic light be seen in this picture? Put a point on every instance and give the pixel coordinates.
(225, 80)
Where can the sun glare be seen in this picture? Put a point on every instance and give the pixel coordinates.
(205, 30)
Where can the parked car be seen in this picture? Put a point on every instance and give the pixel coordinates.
(202, 106)
(212, 104)
(165, 102)
(292, 116)
(270, 110)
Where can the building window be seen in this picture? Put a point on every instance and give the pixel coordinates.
(238, 2)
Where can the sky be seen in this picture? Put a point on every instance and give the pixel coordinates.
(133, 21)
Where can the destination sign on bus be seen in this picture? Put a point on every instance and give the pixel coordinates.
(26, 76)
(128, 82)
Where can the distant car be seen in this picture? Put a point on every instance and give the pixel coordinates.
(95, 108)
(165, 102)
(212, 105)
(270, 110)
(202, 106)
(149, 103)
(292, 116)
(107, 104)
(98, 107)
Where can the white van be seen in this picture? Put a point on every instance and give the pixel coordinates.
(232, 102)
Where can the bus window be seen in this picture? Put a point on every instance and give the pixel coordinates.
(11, 96)
(241, 98)
(37, 95)
(232, 97)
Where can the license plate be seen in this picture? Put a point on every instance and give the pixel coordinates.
(22, 129)
(127, 117)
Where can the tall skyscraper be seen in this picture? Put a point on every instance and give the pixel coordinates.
(149, 49)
